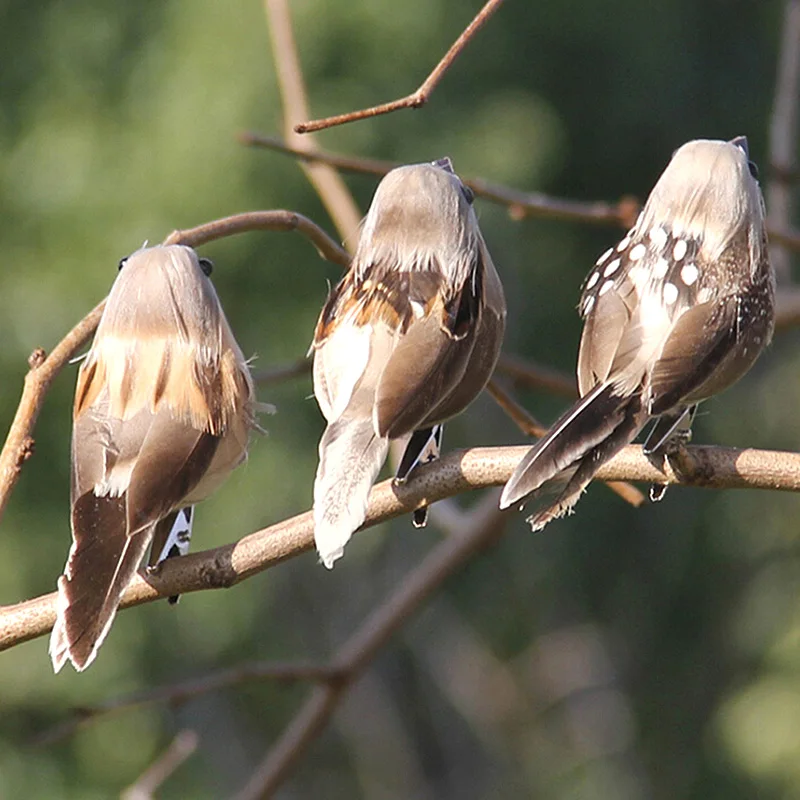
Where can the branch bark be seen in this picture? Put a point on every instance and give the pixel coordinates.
(457, 472)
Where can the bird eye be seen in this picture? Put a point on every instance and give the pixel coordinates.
(207, 265)
(753, 167)
(122, 262)
(469, 195)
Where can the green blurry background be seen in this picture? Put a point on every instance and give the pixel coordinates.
(621, 654)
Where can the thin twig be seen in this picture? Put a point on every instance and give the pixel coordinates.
(421, 96)
(783, 136)
(520, 204)
(520, 416)
(530, 427)
(274, 220)
(181, 748)
(360, 649)
(177, 693)
(43, 370)
(326, 181)
(296, 369)
(536, 376)
(455, 473)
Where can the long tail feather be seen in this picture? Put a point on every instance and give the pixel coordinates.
(350, 456)
(98, 571)
(567, 457)
(578, 477)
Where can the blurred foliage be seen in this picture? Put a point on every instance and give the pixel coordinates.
(622, 654)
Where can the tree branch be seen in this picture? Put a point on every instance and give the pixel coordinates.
(275, 220)
(181, 748)
(19, 444)
(520, 204)
(455, 473)
(783, 136)
(421, 96)
(326, 181)
(182, 691)
(360, 649)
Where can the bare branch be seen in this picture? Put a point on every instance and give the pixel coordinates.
(520, 204)
(520, 416)
(275, 220)
(536, 376)
(182, 747)
(326, 181)
(43, 370)
(286, 372)
(457, 472)
(180, 692)
(783, 136)
(421, 96)
(360, 649)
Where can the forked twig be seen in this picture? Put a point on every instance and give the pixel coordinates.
(421, 96)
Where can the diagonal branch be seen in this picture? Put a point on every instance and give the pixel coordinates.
(456, 473)
(421, 96)
(43, 370)
(360, 649)
(181, 748)
(326, 181)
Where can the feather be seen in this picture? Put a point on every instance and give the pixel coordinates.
(163, 408)
(350, 456)
(405, 341)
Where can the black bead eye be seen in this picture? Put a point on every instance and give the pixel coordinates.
(469, 195)
(753, 167)
(122, 262)
(207, 265)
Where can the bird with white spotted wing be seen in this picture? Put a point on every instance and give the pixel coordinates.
(675, 313)
(163, 410)
(405, 341)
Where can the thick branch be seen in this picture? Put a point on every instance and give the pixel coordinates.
(421, 96)
(458, 472)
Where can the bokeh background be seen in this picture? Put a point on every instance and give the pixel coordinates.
(622, 653)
